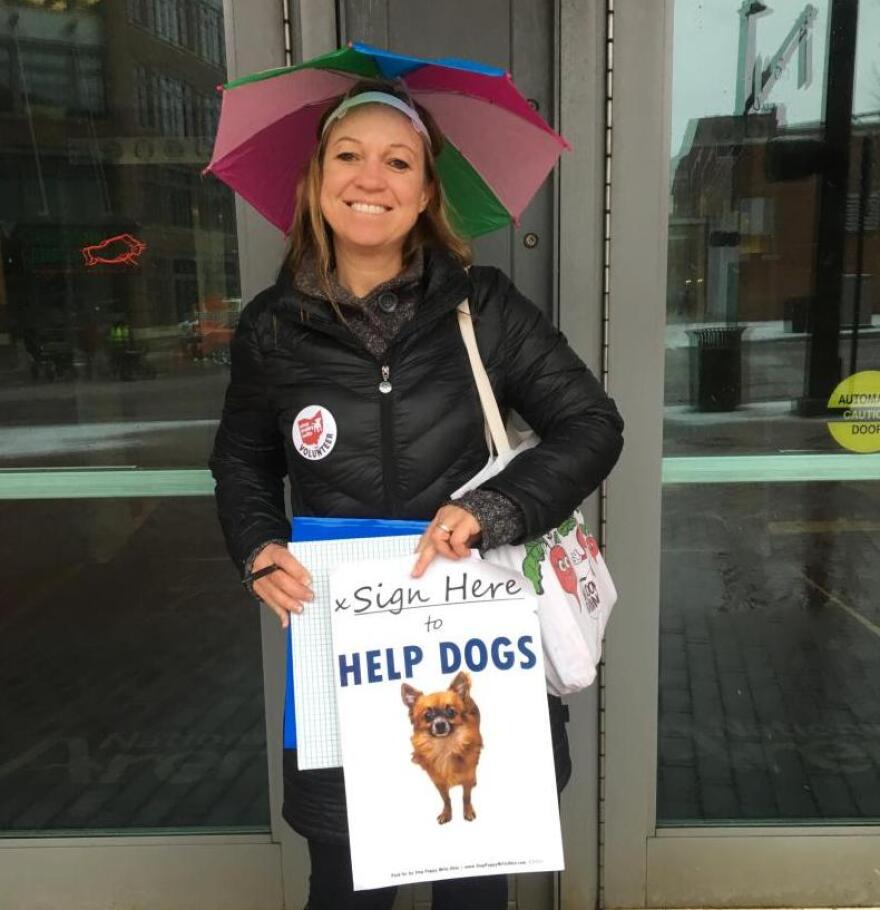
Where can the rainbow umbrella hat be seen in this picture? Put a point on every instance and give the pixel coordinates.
(498, 151)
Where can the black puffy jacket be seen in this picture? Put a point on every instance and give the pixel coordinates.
(297, 370)
(305, 399)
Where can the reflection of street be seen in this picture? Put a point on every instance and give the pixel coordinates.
(770, 640)
(773, 359)
(164, 422)
(773, 365)
(132, 423)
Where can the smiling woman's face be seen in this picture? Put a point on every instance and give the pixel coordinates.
(373, 185)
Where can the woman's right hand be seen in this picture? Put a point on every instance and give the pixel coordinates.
(287, 589)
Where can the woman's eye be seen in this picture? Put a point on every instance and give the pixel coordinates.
(399, 164)
(346, 156)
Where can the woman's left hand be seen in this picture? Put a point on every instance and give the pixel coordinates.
(452, 533)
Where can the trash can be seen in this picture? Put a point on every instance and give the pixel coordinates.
(716, 367)
(796, 314)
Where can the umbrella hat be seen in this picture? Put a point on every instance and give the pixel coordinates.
(497, 150)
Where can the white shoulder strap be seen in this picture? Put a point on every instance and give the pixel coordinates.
(484, 387)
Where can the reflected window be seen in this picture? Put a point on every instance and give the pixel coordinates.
(190, 24)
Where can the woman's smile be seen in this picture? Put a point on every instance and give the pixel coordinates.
(367, 208)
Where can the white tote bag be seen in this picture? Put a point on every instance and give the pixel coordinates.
(564, 567)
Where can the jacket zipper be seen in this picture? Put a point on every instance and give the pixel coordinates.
(386, 415)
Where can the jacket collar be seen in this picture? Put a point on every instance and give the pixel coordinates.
(444, 285)
(307, 283)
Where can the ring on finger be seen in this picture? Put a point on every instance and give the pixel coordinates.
(444, 527)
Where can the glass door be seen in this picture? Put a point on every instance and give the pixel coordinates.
(133, 724)
(119, 296)
(765, 744)
(769, 620)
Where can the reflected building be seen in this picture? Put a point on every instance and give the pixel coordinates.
(743, 224)
(108, 114)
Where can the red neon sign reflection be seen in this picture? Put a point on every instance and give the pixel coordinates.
(128, 248)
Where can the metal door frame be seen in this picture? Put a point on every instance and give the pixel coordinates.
(643, 866)
(580, 242)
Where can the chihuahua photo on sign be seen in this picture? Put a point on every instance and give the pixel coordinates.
(446, 740)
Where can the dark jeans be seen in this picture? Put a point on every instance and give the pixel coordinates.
(330, 887)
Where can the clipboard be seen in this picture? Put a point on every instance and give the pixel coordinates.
(310, 529)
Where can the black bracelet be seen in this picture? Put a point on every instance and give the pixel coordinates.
(260, 573)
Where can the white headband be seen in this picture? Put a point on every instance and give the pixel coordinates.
(378, 98)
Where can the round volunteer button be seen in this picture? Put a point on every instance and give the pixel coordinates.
(314, 432)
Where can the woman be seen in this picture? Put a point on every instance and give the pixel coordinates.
(350, 375)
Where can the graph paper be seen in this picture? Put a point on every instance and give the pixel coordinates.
(314, 692)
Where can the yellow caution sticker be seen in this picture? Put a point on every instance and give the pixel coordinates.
(858, 399)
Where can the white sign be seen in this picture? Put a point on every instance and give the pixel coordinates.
(443, 722)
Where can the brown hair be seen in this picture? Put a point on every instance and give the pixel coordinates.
(309, 233)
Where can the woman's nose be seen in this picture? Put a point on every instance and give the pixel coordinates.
(370, 175)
